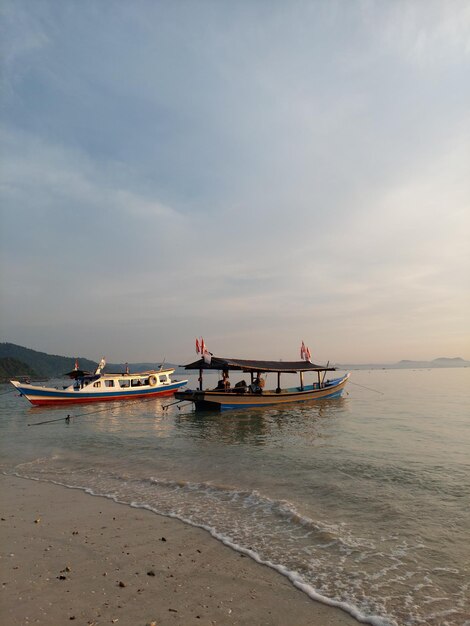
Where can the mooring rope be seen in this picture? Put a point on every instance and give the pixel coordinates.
(69, 417)
(369, 388)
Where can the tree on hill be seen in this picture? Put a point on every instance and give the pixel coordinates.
(54, 366)
(13, 368)
(45, 365)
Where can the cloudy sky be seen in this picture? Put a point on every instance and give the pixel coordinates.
(257, 173)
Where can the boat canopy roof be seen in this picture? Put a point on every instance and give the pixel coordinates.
(244, 365)
(78, 374)
(89, 375)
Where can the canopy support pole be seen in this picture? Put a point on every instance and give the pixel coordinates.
(324, 375)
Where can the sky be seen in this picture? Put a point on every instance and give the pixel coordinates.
(256, 173)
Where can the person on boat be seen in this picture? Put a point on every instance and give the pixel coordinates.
(241, 386)
(257, 385)
(224, 382)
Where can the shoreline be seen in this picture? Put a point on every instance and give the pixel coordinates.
(68, 557)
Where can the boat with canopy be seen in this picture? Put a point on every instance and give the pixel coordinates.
(101, 387)
(252, 393)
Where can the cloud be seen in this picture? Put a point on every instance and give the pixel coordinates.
(429, 38)
(239, 172)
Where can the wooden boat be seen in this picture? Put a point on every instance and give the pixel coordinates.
(253, 394)
(100, 387)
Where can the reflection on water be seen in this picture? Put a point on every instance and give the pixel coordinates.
(366, 497)
(259, 426)
(213, 427)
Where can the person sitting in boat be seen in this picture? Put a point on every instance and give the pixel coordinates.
(224, 383)
(241, 386)
(257, 385)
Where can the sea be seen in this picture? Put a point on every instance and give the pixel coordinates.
(362, 502)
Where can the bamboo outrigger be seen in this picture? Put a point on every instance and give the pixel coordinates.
(254, 394)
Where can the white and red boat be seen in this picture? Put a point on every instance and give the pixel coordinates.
(100, 387)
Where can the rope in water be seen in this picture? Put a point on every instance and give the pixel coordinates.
(69, 417)
(369, 388)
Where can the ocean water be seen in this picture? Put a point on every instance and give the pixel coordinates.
(362, 502)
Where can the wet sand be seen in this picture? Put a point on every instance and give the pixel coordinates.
(71, 558)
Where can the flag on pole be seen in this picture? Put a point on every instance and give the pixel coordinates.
(101, 364)
(202, 350)
(200, 346)
(305, 352)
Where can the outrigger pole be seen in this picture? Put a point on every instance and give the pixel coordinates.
(172, 403)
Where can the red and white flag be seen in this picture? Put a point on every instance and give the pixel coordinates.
(200, 346)
(76, 364)
(305, 352)
(202, 350)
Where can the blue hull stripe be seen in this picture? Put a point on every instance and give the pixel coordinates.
(46, 393)
(213, 399)
(335, 394)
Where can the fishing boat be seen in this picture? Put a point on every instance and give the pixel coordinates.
(252, 394)
(101, 387)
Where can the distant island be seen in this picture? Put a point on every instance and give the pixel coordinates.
(407, 364)
(20, 362)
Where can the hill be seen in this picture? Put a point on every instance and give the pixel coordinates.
(53, 366)
(45, 365)
(13, 368)
(408, 364)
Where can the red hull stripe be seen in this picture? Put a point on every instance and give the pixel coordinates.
(76, 400)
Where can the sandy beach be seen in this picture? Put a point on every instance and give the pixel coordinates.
(68, 557)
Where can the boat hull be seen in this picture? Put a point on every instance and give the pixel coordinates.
(40, 396)
(219, 400)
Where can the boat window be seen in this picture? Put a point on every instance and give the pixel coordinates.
(163, 379)
(109, 383)
(125, 383)
(136, 382)
(97, 384)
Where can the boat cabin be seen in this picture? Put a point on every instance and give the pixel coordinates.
(123, 381)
